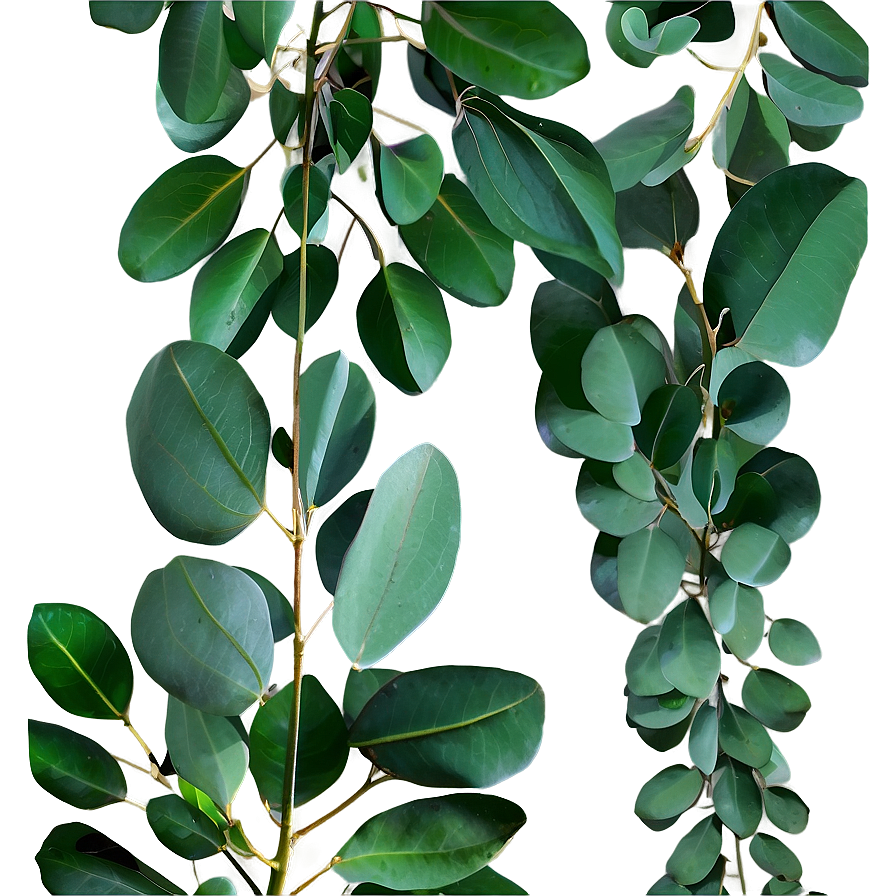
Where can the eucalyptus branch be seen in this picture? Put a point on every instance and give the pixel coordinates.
(368, 785)
(334, 861)
(740, 866)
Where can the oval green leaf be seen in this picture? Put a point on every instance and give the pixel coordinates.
(261, 22)
(670, 419)
(187, 831)
(279, 608)
(785, 809)
(688, 651)
(703, 742)
(485, 882)
(650, 565)
(607, 506)
(360, 687)
(587, 433)
(669, 793)
(661, 711)
(643, 674)
(319, 179)
(753, 555)
(778, 702)
(322, 275)
(409, 176)
(128, 17)
(336, 535)
(240, 53)
(287, 111)
(217, 886)
(742, 737)
(793, 642)
(348, 118)
(696, 852)
(738, 615)
(604, 569)
(737, 797)
(771, 855)
(658, 217)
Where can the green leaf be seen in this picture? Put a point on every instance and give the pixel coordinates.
(203, 801)
(664, 739)
(430, 843)
(771, 855)
(322, 751)
(697, 851)
(348, 118)
(642, 667)
(460, 249)
(182, 828)
(498, 46)
(452, 726)
(336, 535)
(409, 175)
(130, 18)
(604, 569)
(635, 477)
(222, 667)
(737, 798)
(670, 419)
(714, 882)
(76, 858)
(540, 182)
(607, 506)
(742, 737)
(778, 702)
(261, 22)
(668, 793)
(794, 241)
(485, 882)
(209, 752)
(79, 661)
(785, 809)
(544, 397)
(404, 328)
(360, 687)
(738, 615)
(660, 711)
(752, 501)
(319, 178)
(430, 81)
(756, 556)
(230, 284)
(650, 565)
(635, 148)
(792, 642)
(703, 741)
(714, 473)
(658, 217)
(822, 41)
(338, 413)
(73, 768)
(358, 65)
(783, 887)
(199, 433)
(320, 283)
(663, 39)
(183, 216)
(193, 60)
(777, 771)
(240, 53)
(287, 109)
(667, 886)
(689, 654)
(281, 447)
(814, 139)
(217, 886)
(279, 608)
(401, 560)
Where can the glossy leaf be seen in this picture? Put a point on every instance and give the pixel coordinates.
(222, 666)
(409, 176)
(322, 275)
(587, 433)
(742, 737)
(667, 886)
(319, 178)
(778, 702)
(358, 65)
(539, 181)
(287, 110)
(261, 21)
(336, 535)
(430, 81)
(664, 739)
(185, 214)
(737, 798)
(635, 477)
(670, 419)
(793, 242)
(771, 855)
(73, 768)
(752, 501)
(185, 830)
(279, 608)
(752, 397)
(642, 667)
(714, 882)
(195, 137)
(785, 809)
(240, 53)
(793, 642)
(322, 751)
(404, 328)
(217, 886)
(663, 39)
(199, 432)
(668, 793)
(738, 615)
(193, 60)
(452, 726)
(713, 473)
(697, 851)
(650, 565)
(485, 882)
(755, 556)
(544, 398)
(430, 843)
(360, 687)
(496, 46)
(703, 741)
(658, 217)
(660, 711)
(607, 506)
(281, 447)
(210, 752)
(79, 661)
(604, 570)
(814, 139)
(459, 248)
(128, 17)
(689, 654)
(200, 800)
(348, 119)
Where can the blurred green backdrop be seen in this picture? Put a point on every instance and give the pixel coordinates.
(81, 140)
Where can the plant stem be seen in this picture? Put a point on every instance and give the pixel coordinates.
(375, 246)
(404, 121)
(320, 619)
(360, 40)
(368, 785)
(740, 866)
(242, 872)
(334, 861)
(260, 156)
(154, 766)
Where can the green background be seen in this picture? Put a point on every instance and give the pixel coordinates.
(81, 140)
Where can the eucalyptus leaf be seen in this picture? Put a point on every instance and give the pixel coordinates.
(319, 178)
(650, 567)
(778, 702)
(785, 809)
(222, 666)
(485, 882)
(348, 118)
(742, 737)
(663, 39)
(776, 771)
(664, 739)
(688, 652)
(668, 793)
(336, 535)
(287, 110)
(399, 564)
(658, 217)
(635, 477)
(703, 743)
(793, 642)
(185, 830)
(696, 852)
(73, 768)
(261, 21)
(321, 277)
(127, 17)
(587, 433)
(360, 687)
(279, 608)
(79, 661)
(217, 886)
(670, 419)
(737, 798)
(738, 615)
(545, 398)
(643, 674)
(771, 855)
(753, 555)
(605, 570)
(814, 139)
(607, 506)
(713, 473)
(409, 175)
(661, 711)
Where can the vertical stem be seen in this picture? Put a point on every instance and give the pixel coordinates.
(740, 866)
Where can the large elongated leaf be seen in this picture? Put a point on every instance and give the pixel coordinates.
(540, 182)
(401, 560)
(73, 768)
(460, 249)
(452, 726)
(650, 565)
(430, 843)
(703, 742)
(783, 261)
(184, 215)
(689, 654)
(79, 661)
(128, 17)
(261, 22)
(184, 829)
(202, 631)
(319, 179)
(498, 46)
(338, 412)
(193, 60)
(199, 433)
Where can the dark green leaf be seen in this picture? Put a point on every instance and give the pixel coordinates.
(183, 216)
(785, 809)
(360, 686)
(697, 851)
(814, 139)
(752, 501)
(222, 666)
(338, 412)
(607, 506)
(604, 569)
(348, 119)
(778, 702)
(642, 667)
(430, 81)
(131, 18)
(217, 886)
(430, 843)
(79, 661)
(587, 433)
(279, 608)
(658, 217)
(401, 560)
(540, 182)
(287, 111)
(664, 739)
(320, 284)
(281, 447)
(771, 855)
(261, 22)
(358, 65)
(452, 726)
(240, 53)
(782, 887)
(794, 241)
(670, 419)
(319, 178)
(460, 249)
(650, 567)
(498, 47)
(669, 793)
(713, 473)
(185, 830)
(662, 711)
(792, 642)
(714, 882)
(199, 432)
(742, 737)
(756, 556)
(689, 654)
(544, 398)
(635, 477)
(485, 882)
(409, 176)
(738, 615)
(703, 741)
(74, 768)
(667, 886)
(322, 751)
(193, 60)
(737, 798)
(335, 536)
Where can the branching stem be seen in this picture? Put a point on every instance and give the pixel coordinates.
(369, 784)
(154, 767)
(242, 872)
(334, 861)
